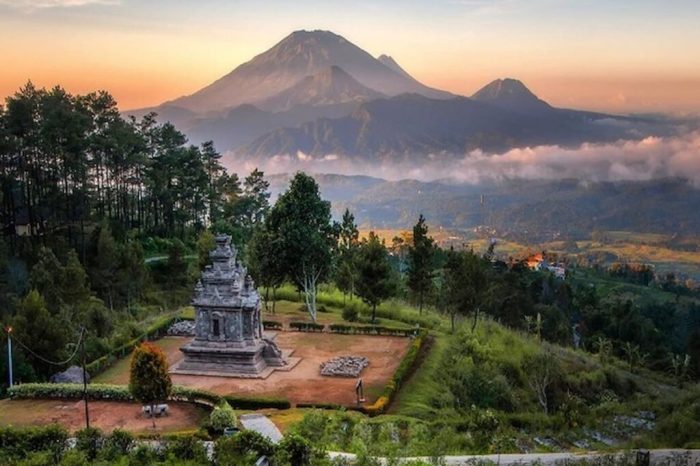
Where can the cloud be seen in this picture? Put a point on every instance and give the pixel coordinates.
(648, 158)
(32, 5)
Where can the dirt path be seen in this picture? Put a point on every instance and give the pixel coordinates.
(107, 415)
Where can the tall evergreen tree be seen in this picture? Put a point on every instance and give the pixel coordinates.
(421, 266)
(348, 243)
(375, 283)
(301, 222)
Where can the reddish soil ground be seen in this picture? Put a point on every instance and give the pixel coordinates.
(107, 415)
(304, 383)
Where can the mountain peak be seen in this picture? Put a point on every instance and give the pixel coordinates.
(300, 54)
(510, 93)
(390, 63)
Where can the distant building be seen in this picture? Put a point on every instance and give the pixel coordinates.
(539, 263)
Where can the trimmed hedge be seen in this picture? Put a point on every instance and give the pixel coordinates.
(193, 395)
(333, 406)
(306, 326)
(400, 376)
(272, 325)
(70, 391)
(354, 329)
(67, 391)
(372, 330)
(238, 402)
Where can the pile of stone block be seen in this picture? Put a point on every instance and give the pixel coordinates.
(344, 366)
(184, 328)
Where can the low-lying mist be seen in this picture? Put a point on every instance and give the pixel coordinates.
(648, 158)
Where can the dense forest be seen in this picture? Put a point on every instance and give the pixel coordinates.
(98, 215)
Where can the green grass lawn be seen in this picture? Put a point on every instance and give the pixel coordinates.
(118, 373)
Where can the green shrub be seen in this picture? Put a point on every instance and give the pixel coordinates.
(18, 442)
(144, 455)
(242, 448)
(306, 326)
(350, 314)
(70, 391)
(118, 443)
(187, 448)
(89, 441)
(194, 395)
(294, 450)
(222, 417)
(400, 375)
(272, 325)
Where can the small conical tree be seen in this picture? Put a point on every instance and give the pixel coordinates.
(149, 381)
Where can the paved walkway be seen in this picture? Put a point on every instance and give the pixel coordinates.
(262, 425)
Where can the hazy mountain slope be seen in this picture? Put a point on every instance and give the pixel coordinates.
(528, 210)
(330, 86)
(391, 63)
(243, 124)
(412, 125)
(301, 54)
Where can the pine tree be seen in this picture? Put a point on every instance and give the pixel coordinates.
(75, 287)
(346, 268)
(421, 266)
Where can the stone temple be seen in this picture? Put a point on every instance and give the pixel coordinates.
(229, 338)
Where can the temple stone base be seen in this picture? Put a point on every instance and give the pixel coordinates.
(222, 365)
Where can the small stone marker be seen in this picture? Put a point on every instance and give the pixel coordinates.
(360, 391)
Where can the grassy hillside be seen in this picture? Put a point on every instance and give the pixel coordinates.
(473, 392)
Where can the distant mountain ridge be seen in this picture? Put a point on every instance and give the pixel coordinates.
(317, 93)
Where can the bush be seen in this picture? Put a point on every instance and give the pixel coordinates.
(70, 391)
(257, 403)
(272, 325)
(89, 441)
(242, 448)
(372, 330)
(350, 314)
(194, 395)
(306, 326)
(294, 450)
(18, 442)
(118, 443)
(187, 448)
(222, 417)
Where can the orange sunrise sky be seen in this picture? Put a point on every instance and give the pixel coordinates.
(622, 56)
